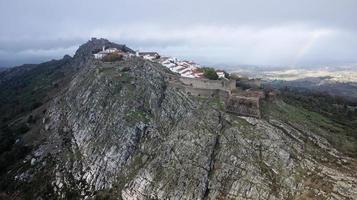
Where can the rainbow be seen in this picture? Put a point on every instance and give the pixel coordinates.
(310, 42)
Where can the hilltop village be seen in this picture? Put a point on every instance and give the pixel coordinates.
(241, 95)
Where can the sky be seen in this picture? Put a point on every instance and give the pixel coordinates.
(210, 32)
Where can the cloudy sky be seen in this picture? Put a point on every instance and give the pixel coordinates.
(227, 32)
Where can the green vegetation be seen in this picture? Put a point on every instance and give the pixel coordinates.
(340, 132)
(335, 114)
(209, 73)
(11, 148)
(217, 103)
(136, 116)
(226, 75)
(24, 89)
(342, 110)
(106, 194)
(112, 57)
(22, 129)
(125, 78)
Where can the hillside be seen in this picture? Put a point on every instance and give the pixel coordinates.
(120, 131)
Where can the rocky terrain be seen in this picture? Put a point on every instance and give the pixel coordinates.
(117, 131)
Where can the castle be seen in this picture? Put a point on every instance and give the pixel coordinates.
(237, 101)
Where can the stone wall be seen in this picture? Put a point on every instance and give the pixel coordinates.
(209, 84)
(246, 106)
(201, 92)
(238, 103)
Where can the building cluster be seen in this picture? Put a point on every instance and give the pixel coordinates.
(106, 51)
(148, 55)
(185, 68)
(243, 100)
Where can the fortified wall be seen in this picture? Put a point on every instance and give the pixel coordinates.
(246, 106)
(240, 102)
(228, 85)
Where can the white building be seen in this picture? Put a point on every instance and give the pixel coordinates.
(221, 74)
(184, 68)
(149, 55)
(105, 52)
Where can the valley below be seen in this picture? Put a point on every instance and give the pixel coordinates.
(335, 81)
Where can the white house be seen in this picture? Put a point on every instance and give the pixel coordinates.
(105, 52)
(184, 68)
(149, 55)
(111, 50)
(220, 74)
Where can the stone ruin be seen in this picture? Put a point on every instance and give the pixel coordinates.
(246, 103)
(237, 101)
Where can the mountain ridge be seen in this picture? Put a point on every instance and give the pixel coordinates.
(119, 131)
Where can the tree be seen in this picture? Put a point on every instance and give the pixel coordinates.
(210, 73)
(226, 74)
(112, 57)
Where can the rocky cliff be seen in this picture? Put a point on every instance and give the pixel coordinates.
(117, 131)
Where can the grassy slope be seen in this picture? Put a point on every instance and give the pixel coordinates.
(340, 135)
(28, 88)
(24, 92)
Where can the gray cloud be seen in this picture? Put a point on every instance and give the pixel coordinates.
(271, 32)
